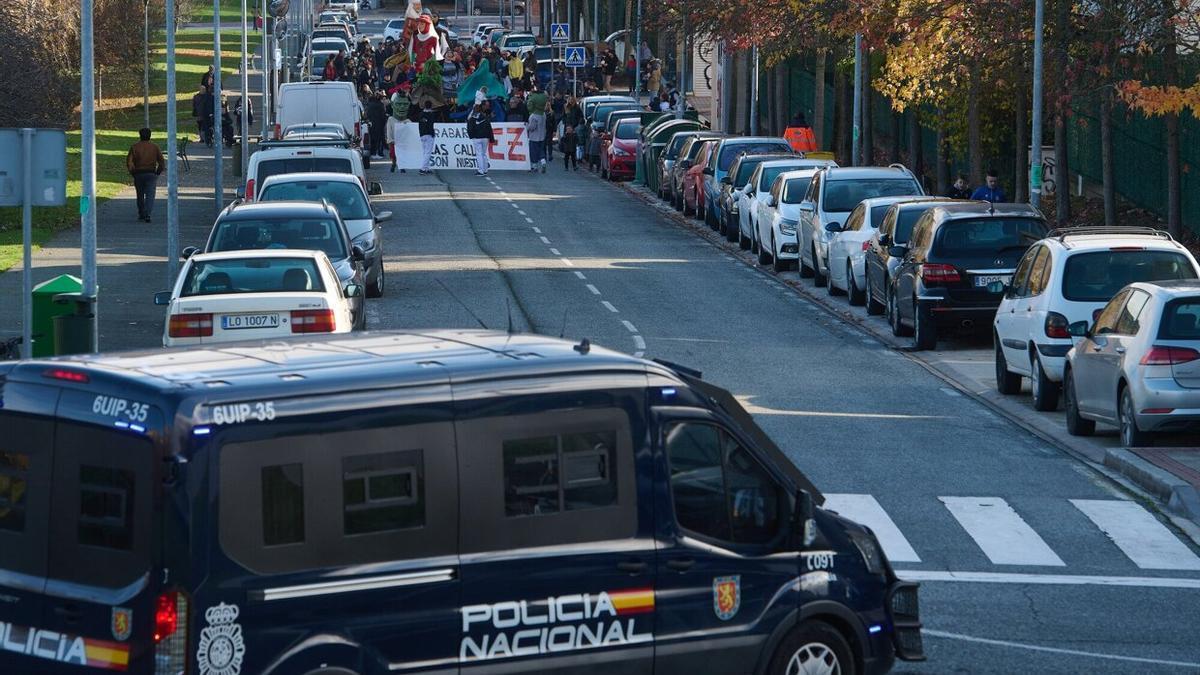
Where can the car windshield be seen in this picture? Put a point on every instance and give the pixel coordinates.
(971, 236)
(730, 152)
(770, 173)
(628, 130)
(346, 197)
(252, 275)
(319, 234)
(1096, 276)
(841, 196)
(794, 190)
(1181, 320)
(275, 167)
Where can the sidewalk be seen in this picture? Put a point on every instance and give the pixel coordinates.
(131, 255)
(1171, 474)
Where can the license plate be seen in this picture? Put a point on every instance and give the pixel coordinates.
(981, 281)
(238, 321)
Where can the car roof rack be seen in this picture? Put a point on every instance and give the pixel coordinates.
(1061, 233)
(305, 143)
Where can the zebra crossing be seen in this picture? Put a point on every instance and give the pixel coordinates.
(1007, 539)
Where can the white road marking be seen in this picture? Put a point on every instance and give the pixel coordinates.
(950, 392)
(609, 306)
(763, 410)
(529, 220)
(544, 240)
(579, 274)
(639, 355)
(514, 205)
(1057, 650)
(1004, 537)
(629, 326)
(520, 212)
(537, 230)
(567, 262)
(1026, 578)
(866, 510)
(1147, 542)
(555, 251)
(590, 287)
(639, 342)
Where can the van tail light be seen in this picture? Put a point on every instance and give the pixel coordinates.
(278, 132)
(1056, 325)
(190, 325)
(358, 129)
(936, 274)
(866, 245)
(171, 633)
(1169, 356)
(249, 189)
(313, 321)
(67, 375)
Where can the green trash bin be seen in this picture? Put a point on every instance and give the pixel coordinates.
(74, 332)
(44, 311)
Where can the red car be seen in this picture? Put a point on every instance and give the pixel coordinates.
(619, 151)
(693, 181)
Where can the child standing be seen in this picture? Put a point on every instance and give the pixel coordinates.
(569, 142)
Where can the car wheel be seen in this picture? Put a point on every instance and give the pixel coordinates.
(731, 229)
(830, 286)
(765, 257)
(874, 307)
(1045, 392)
(898, 327)
(710, 219)
(1007, 382)
(754, 240)
(813, 647)
(1077, 425)
(676, 201)
(778, 264)
(853, 293)
(742, 240)
(375, 290)
(806, 272)
(687, 210)
(819, 279)
(924, 330)
(1131, 435)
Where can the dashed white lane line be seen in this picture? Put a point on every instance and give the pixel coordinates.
(537, 230)
(590, 287)
(579, 274)
(629, 326)
(514, 206)
(529, 220)
(555, 251)
(609, 306)
(639, 342)
(545, 240)
(568, 263)
(520, 212)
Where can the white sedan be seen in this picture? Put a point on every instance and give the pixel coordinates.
(750, 195)
(272, 294)
(847, 248)
(778, 212)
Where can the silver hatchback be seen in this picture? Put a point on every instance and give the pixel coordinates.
(1138, 366)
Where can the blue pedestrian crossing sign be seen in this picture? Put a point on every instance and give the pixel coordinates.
(560, 32)
(576, 58)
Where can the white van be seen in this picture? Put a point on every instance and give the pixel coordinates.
(302, 156)
(309, 102)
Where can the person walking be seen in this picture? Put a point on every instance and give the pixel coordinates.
(961, 189)
(377, 121)
(237, 113)
(799, 134)
(207, 80)
(145, 162)
(425, 126)
(479, 130)
(535, 130)
(991, 192)
(569, 142)
(608, 64)
(396, 123)
(202, 110)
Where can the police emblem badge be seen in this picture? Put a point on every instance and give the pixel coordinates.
(727, 596)
(122, 623)
(221, 646)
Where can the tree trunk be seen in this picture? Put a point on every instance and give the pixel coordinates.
(628, 33)
(868, 137)
(943, 158)
(897, 120)
(915, 162)
(974, 143)
(1021, 129)
(780, 99)
(818, 112)
(1106, 158)
(841, 117)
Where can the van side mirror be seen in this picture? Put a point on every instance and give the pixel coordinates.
(769, 200)
(188, 252)
(374, 188)
(164, 298)
(898, 251)
(805, 520)
(1078, 329)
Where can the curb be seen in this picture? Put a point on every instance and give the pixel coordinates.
(1176, 495)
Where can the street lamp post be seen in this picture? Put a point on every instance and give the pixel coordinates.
(855, 138)
(245, 100)
(87, 161)
(218, 131)
(172, 152)
(754, 92)
(637, 74)
(146, 63)
(1035, 163)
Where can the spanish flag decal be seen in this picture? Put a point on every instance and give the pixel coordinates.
(633, 601)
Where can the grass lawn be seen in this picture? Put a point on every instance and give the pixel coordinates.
(116, 130)
(231, 11)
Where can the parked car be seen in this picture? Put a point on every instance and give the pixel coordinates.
(349, 7)
(345, 193)
(291, 225)
(666, 160)
(683, 161)
(956, 253)
(775, 239)
(617, 161)
(514, 41)
(849, 244)
(1065, 278)
(232, 296)
(894, 231)
(834, 192)
(758, 186)
(395, 29)
(476, 36)
(1138, 366)
(319, 102)
(314, 65)
(732, 185)
(719, 161)
(693, 179)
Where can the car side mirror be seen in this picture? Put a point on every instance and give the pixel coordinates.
(769, 200)
(1078, 329)
(162, 298)
(898, 251)
(685, 164)
(833, 227)
(357, 254)
(885, 240)
(383, 216)
(188, 252)
(352, 290)
(374, 188)
(807, 207)
(726, 180)
(805, 520)
(707, 171)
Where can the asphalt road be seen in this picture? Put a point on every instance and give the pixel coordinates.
(966, 494)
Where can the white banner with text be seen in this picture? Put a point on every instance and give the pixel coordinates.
(452, 149)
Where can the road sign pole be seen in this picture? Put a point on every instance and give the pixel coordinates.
(27, 235)
(217, 121)
(172, 154)
(87, 162)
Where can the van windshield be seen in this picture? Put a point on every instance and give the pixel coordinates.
(319, 234)
(275, 167)
(1098, 275)
(252, 275)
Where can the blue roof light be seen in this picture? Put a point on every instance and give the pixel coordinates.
(874, 629)
(668, 391)
(201, 431)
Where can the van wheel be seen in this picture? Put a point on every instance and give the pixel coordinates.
(1131, 435)
(1076, 424)
(898, 327)
(1045, 392)
(710, 219)
(813, 647)
(819, 279)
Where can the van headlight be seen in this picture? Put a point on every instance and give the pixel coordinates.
(787, 225)
(869, 548)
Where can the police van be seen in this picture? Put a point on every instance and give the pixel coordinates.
(434, 502)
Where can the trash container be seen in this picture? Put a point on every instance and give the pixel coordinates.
(45, 309)
(74, 332)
